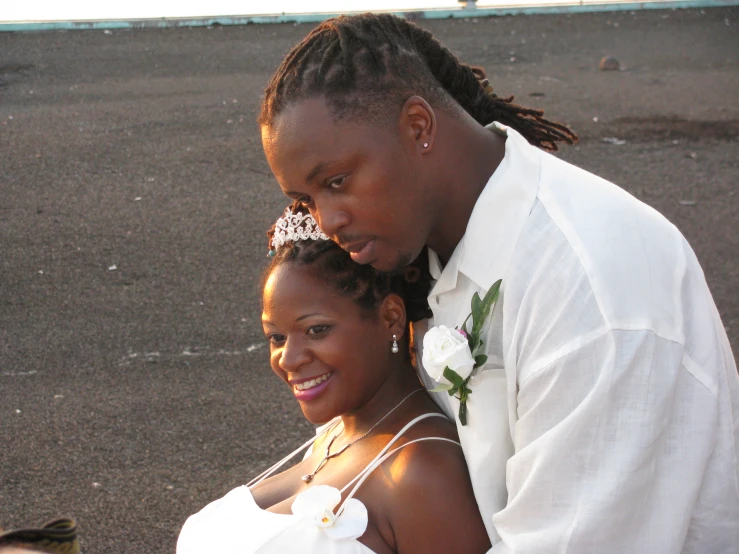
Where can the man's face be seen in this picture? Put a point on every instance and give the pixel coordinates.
(361, 182)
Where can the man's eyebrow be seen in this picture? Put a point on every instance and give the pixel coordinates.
(320, 166)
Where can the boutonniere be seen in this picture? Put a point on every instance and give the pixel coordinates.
(451, 356)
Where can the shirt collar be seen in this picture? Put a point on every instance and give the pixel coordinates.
(497, 219)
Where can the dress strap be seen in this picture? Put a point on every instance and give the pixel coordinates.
(370, 466)
(375, 464)
(269, 471)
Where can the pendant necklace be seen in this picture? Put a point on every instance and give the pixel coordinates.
(326, 457)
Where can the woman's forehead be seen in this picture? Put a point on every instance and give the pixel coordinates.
(298, 286)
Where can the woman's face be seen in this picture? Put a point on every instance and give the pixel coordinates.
(362, 182)
(331, 354)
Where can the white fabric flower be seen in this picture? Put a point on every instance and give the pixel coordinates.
(444, 347)
(316, 505)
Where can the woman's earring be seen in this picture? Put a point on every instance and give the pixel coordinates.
(394, 349)
(425, 144)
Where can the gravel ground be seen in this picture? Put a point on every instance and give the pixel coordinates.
(134, 195)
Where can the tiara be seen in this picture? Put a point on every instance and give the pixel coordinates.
(292, 227)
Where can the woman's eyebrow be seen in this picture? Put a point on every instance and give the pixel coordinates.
(302, 317)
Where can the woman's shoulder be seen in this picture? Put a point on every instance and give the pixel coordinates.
(434, 425)
(425, 452)
(428, 480)
(430, 446)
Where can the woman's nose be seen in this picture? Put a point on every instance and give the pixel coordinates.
(293, 356)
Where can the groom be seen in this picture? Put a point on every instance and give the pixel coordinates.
(606, 416)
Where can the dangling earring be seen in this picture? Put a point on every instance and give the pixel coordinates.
(394, 349)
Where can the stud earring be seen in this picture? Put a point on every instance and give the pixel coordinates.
(425, 144)
(394, 349)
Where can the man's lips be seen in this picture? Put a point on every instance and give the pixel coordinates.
(361, 251)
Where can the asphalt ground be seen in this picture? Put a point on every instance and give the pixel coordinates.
(134, 196)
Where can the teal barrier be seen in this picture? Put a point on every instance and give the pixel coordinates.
(458, 13)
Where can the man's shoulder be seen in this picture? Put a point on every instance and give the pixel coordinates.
(591, 244)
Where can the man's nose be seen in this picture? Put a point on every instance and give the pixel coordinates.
(331, 220)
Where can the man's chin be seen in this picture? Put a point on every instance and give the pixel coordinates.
(396, 263)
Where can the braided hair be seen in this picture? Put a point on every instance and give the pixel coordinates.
(361, 63)
(364, 285)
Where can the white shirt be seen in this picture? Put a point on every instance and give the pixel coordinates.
(606, 419)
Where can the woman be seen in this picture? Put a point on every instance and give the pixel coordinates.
(338, 335)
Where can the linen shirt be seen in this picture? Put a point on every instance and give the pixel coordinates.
(606, 418)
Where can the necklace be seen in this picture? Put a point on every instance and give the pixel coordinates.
(327, 456)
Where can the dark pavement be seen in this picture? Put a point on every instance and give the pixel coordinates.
(134, 381)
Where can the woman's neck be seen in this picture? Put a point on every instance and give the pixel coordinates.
(390, 397)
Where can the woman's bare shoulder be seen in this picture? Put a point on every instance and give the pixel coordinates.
(428, 482)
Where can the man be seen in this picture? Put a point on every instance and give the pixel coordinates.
(606, 417)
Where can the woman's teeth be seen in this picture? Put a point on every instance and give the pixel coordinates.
(313, 382)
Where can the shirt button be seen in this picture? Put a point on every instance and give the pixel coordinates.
(437, 300)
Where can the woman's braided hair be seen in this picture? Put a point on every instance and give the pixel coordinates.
(363, 284)
(360, 63)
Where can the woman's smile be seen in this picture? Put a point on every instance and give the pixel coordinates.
(308, 389)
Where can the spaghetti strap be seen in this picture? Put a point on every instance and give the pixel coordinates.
(269, 471)
(390, 444)
(379, 458)
(375, 464)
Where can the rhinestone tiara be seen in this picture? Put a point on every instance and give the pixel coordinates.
(292, 227)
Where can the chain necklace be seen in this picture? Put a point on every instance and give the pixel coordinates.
(326, 457)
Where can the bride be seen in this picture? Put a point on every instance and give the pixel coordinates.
(385, 472)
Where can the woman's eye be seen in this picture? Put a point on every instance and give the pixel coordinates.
(276, 339)
(317, 329)
(305, 200)
(336, 183)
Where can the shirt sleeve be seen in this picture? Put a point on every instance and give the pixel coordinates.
(611, 443)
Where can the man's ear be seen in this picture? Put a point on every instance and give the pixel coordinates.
(418, 124)
(392, 314)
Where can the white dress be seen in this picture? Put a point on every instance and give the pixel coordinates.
(235, 524)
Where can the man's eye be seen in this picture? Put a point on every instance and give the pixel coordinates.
(317, 329)
(336, 183)
(276, 339)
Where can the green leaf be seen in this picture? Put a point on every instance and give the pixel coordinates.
(464, 325)
(480, 360)
(476, 309)
(442, 387)
(490, 297)
(477, 348)
(453, 377)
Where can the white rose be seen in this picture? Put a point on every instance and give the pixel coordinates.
(444, 347)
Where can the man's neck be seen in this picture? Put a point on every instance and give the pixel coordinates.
(468, 155)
